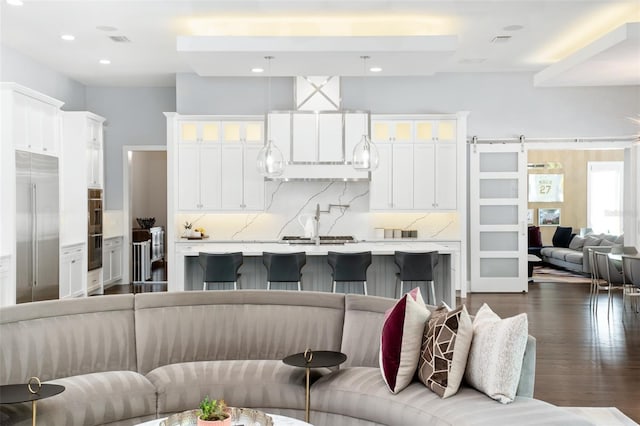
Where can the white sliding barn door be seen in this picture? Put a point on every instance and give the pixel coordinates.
(498, 218)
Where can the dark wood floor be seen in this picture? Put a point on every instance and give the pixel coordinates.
(583, 360)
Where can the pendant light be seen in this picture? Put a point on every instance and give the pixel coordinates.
(270, 160)
(365, 153)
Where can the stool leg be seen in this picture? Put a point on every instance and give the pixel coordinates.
(401, 289)
(204, 286)
(268, 285)
(433, 294)
(334, 286)
(235, 285)
(299, 286)
(365, 288)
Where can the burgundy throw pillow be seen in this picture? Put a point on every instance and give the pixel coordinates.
(401, 340)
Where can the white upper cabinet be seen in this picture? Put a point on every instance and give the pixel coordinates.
(330, 146)
(356, 124)
(35, 120)
(279, 131)
(213, 158)
(391, 131)
(95, 153)
(422, 171)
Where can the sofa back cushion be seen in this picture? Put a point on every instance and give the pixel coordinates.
(363, 319)
(577, 242)
(228, 325)
(62, 338)
(562, 236)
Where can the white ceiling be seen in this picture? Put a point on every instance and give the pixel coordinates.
(552, 31)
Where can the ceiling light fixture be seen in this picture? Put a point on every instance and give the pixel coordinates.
(104, 61)
(365, 154)
(270, 160)
(15, 2)
(67, 37)
(257, 70)
(375, 69)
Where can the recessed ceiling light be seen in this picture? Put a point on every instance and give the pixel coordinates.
(106, 28)
(104, 61)
(67, 37)
(15, 2)
(501, 39)
(258, 70)
(513, 28)
(375, 69)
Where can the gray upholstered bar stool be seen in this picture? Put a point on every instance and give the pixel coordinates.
(284, 267)
(416, 267)
(220, 268)
(349, 267)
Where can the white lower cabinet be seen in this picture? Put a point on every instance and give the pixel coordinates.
(112, 260)
(94, 281)
(72, 271)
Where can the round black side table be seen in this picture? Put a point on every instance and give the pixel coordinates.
(314, 359)
(14, 394)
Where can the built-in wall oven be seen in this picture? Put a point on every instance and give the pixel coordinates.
(95, 229)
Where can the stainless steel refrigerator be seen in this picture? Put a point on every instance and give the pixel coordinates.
(37, 227)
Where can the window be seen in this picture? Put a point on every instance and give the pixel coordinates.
(604, 196)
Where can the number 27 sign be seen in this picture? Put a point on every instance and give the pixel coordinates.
(546, 188)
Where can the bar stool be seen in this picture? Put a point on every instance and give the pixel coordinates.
(284, 267)
(220, 268)
(416, 267)
(349, 267)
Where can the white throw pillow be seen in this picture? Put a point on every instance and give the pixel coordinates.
(497, 350)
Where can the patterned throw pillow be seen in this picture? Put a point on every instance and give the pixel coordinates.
(401, 338)
(445, 347)
(497, 350)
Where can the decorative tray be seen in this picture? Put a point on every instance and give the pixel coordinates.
(202, 237)
(239, 417)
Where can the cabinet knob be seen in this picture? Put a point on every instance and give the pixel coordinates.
(44, 149)
(73, 261)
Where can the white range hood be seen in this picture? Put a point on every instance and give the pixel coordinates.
(318, 145)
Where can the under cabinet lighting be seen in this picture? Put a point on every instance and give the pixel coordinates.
(375, 69)
(258, 70)
(67, 37)
(104, 61)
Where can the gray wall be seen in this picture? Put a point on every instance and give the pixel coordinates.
(19, 68)
(231, 95)
(501, 104)
(134, 117)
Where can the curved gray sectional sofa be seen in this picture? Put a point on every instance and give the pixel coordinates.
(127, 359)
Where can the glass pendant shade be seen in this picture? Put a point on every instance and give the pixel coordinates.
(365, 155)
(270, 160)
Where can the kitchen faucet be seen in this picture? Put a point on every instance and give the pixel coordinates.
(316, 231)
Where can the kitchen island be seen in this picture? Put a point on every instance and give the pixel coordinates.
(316, 275)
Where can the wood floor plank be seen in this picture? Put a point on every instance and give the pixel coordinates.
(583, 359)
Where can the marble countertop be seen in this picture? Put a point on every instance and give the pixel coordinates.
(255, 248)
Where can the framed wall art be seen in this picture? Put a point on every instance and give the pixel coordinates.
(548, 217)
(544, 188)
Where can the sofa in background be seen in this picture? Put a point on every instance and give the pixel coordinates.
(126, 359)
(570, 251)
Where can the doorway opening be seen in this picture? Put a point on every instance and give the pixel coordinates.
(145, 217)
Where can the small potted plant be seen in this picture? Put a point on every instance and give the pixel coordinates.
(214, 412)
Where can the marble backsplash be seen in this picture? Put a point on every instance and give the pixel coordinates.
(286, 201)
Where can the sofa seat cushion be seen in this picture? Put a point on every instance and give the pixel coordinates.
(575, 257)
(90, 399)
(561, 253)
(547, 251)
(241, 383)
(359, 392)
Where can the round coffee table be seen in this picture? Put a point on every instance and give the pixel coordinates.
(14, 394)
(277, 421)
(314, 359)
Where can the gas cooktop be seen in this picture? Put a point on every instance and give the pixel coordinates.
(324, 239)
